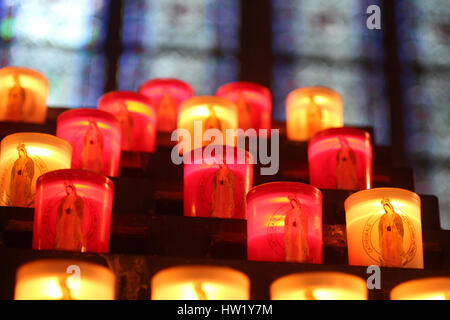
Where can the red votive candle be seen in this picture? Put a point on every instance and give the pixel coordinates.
(137, 119)
(166, 95)
(95, 137)
(73, 211)
(215, 185)
(340, 158)
(254, 103)
(284, 223)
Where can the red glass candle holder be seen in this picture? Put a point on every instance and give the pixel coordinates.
(166, 95)
(254, 103)
(216, 184)
(73, 211)
(340, 158)
(284, 223)
(137, 119)
(95, 137)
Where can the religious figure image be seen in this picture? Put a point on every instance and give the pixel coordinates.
(91, 155)
(346, 166)
(16, 101)
(223, 193)
(69, 235)
(22, 174)
(126, 123)
(313, 118)
(390, 230)
(296, 232)
(199, 291)
(167, 113)
(244, 113)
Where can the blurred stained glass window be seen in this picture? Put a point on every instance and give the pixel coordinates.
(196, 41)
(63, 39)
(423, 29)
(327, 43)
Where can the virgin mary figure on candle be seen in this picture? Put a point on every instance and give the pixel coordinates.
(296, 232)
(244, 113)
(22, 174)
(166, 113)
(126, 124)
(313, 117)
(69, 235)
(91, 155)
(223, 193)
(391, 233)
(345, 166)
(16, 101)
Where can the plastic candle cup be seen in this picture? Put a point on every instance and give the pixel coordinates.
(23, 95)
(23, 158)
(254, 104)
(340, 158)
(310, 110)
(166, 95)
(96, 139)
(137, 118)
(284, 223)
(216, 185)
(384, 228)
(319, 286)
(53, 279)
(200, 283)
(73, 211)
(202, 113)
(423, 289)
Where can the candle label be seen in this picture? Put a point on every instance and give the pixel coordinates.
(19, 178)
(346, 166)
(390, 238)
(126, 124)
(69, 221)
(313, 118)
(92, 149)
(167, 113)
(20, 102)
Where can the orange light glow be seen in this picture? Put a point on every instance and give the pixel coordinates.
(384, 228)
(200, 283)
(23, 95)
(310, 110)
(423, 289)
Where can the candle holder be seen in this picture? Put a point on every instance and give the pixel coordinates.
(216, 185)
(340, 158)
(23, 158)
(423, 289)
(23, 95)
(319, 286)
(384, 228)
(310, 110)
(254, 104)
(284, 223)
(166, 95)
(53, 279)
(200, 283)
(199, 114)
(73, 211)
(137, 118)
(96, 139)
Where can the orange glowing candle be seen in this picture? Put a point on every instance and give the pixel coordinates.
(384, 228)
(166, 95)
(254, 103)
(319, 286)
(202, 113)
(23, 158)
(23, 95)
(310, 110)
(200, 283)
(423, 289)
(137, 118)
(64, 280)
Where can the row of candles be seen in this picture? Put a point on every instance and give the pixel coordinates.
(73, 280)
(65, 176)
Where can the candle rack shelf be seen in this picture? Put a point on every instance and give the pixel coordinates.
(149, 231)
